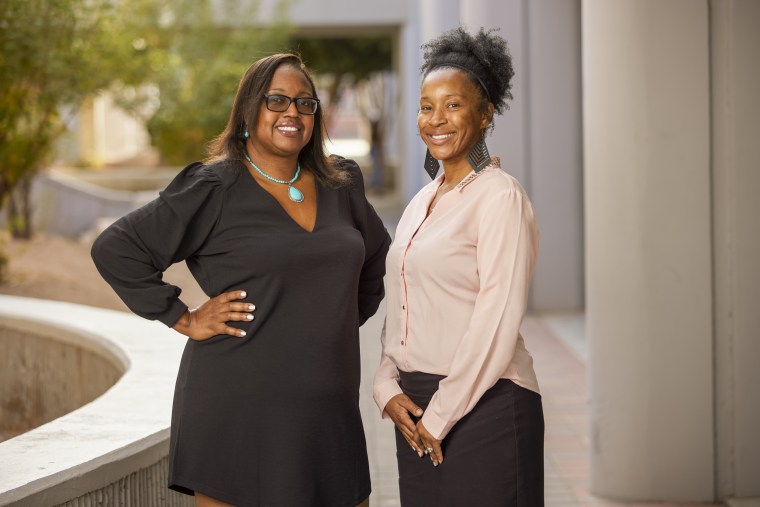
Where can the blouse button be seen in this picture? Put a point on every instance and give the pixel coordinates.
(403, 307)
(402, 342)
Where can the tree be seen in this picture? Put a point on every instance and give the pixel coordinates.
(54, 54)
(203, 59)
(364, 63)
(348, 60)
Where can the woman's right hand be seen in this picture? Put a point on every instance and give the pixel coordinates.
(210, 319)
(398, 409)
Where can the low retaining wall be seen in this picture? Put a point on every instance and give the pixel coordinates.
(43, 378)
(113, 449)
(70, 206)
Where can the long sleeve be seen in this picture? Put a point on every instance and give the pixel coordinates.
(506, 251)
(134, 251)
(386, 379)
(376, 243)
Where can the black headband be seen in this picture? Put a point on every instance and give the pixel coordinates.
(468, 71)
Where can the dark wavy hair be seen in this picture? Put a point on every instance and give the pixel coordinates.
(230, 144)
(484, 57)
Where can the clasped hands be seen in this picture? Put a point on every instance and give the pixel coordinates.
(210, 319)
(422, 442)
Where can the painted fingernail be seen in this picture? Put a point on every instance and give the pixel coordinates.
(242, 294)
(435, 463)
(242, 333)
(249, 317)
(251, 307)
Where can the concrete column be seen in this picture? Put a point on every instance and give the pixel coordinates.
(436, 16)
(735, 38)
(555, 143)
(540, 138)
(510, 139)
(646, 79)
(411, 171)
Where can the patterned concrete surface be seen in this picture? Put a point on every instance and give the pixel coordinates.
(558, 347)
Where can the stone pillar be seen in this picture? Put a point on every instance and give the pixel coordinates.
(510, 139)
(735, 72)
(411, 171)
(646, 93)
(539, 138)
(436, 16)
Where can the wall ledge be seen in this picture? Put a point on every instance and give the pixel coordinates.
(124, 429)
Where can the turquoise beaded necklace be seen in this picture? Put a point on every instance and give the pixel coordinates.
(294, 194)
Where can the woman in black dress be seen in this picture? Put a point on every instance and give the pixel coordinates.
(265, 410)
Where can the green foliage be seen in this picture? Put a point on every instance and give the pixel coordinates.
(54, 54)
(201, 63)
(364, 64)
(3, 264)
(347, 60)
(358, 56)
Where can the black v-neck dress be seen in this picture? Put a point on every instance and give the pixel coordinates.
(271, 419)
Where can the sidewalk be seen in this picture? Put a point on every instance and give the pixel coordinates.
(561, 368)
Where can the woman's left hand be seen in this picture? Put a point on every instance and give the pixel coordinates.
(430, 442)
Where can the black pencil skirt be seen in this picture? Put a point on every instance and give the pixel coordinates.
(494, 456)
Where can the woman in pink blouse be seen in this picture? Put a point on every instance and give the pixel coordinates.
(455, 376)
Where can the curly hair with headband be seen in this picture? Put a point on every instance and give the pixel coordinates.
(484, 56)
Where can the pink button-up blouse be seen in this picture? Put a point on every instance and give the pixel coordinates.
(457, 286)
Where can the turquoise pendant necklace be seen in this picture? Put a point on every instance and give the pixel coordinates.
(294, 194)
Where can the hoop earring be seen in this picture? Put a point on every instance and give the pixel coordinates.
(479, 158)
(431, 165)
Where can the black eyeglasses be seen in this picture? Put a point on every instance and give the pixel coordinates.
(279, 103)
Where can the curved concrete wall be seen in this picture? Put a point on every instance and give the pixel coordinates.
(113, 449)
(43, 377)
(70, 206)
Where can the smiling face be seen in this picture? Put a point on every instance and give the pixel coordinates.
(451, 118)
(283, 134)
